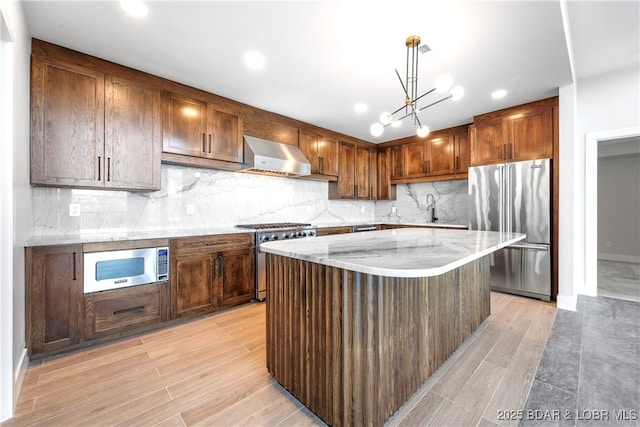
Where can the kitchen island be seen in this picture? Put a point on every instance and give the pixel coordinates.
(357, 322)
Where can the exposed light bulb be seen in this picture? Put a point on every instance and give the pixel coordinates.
(376, 129)
(457, 93)
(423, 131)
(385, 118)
(443, 83)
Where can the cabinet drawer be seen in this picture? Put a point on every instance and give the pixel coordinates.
(195, 245)
(121, 310)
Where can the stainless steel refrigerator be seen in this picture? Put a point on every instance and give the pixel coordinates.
(516, 197)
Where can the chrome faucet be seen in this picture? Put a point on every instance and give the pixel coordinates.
(431, 208)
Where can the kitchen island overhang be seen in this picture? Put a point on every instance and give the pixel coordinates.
(353, 330)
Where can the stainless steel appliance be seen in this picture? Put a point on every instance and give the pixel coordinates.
(118, 269)
(270, 232)
(516, 197)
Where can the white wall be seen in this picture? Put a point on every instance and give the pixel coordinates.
(607, 107)
(12, 282)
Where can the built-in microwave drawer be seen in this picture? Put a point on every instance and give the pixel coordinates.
(121, 310)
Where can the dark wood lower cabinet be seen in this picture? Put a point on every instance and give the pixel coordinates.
(210, 273)
(54, 305)
(207, 274)
(115, 312)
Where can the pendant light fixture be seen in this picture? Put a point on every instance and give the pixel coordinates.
(410, 88)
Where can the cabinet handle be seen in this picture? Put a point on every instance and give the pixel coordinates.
(74, 267)
(428, 167)
(321, 163)
(223, 242)
(136, 309)
(221, 265)
(424, 166)
(213, 268)
(99, 169)
(209, 143)
(108, 168)
(457, 162)
(204, 142)
(371, 192)
(511, 150)
(504, 151)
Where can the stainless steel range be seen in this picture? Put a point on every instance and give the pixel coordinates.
(270, 232)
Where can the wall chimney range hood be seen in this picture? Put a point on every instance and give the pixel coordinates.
(273, 158)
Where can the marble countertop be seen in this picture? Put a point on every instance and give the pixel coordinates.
(404, 252)
(115, 235)
(125, 235)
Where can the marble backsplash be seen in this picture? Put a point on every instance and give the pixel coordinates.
(451, 206)
(219, 199)
(223, 199)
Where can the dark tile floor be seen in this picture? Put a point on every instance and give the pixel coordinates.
(589, 374)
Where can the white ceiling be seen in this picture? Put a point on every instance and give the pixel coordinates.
(322, 57)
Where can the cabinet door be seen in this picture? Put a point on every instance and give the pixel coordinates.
(385, 190)
(67, 124)
(414, 160)
(346, 178)
(362, 173)
(530, 135)
(133, 135)
(308, 144)
(328, 156)
(397, 162)
(487, 145)
(462, 152)
(224, 137)
(192, 285)
(235, 272)
(440, 156)
(373, 174)
(54, 304)
(184, 125)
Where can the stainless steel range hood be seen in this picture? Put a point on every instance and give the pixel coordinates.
(272, 158)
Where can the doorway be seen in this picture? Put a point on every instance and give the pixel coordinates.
(618, 206)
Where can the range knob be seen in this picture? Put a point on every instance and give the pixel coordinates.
(264, 238)
(285, 235)
(299, 233)
(274, 237)
(311, 233)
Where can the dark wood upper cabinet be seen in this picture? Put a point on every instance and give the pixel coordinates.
(525, 132)
(67, 124)
(321, 151)
(385, 190)
(440, 155)
(91, 126)
(397, 162)
(461, 151)
(197, 128)
(356, 178)
(54, 303)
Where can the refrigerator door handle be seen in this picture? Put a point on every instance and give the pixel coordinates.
(539, 247)
(501, 198)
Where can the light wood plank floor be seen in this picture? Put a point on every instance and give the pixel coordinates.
(211, 372)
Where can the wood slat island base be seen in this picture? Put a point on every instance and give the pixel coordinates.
(353, 347)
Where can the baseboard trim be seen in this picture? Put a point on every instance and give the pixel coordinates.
(19, 377)
(620, 258)
(567, 302)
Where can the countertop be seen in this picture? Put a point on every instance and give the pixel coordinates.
(403, 252)
(124, 235)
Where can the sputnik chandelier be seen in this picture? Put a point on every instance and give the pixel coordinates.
(410, 88)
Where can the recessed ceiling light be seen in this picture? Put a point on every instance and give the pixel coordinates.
(360, 107)
(497, 94)
(134, 8)
(254, 60)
